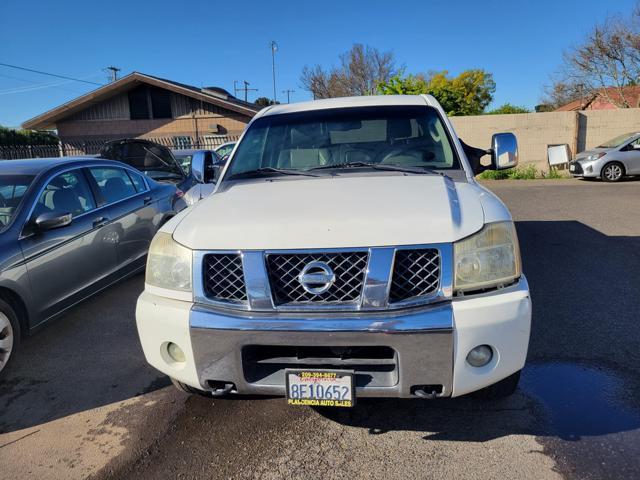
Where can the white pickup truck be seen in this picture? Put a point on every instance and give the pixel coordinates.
(347, 251)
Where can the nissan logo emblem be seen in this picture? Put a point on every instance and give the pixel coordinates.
(316, 278)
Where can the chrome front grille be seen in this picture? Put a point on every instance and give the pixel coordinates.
(376, 278)
(223, 277)
(284, 269)
(416, 273)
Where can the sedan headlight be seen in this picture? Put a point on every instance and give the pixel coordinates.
(488, 258)
(595, 156)
(168, 264)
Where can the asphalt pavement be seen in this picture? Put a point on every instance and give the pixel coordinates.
(79, 400)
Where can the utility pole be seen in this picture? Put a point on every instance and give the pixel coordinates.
(287, 92)
(114, 72)
(245, 89)
(274, 47)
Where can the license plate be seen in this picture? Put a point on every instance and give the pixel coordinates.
(572, 168)
(320, 388)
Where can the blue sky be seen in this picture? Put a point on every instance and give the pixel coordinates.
(214, 43)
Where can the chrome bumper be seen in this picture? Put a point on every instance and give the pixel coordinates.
(421, 338)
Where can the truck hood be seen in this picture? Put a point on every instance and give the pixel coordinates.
(333, 212)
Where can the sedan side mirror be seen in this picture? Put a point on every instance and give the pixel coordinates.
(504, 151)
(50, 220)
(198, 166)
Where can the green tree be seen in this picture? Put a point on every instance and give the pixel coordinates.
(508, 108)
(265, 102)
(467, 94)
(400, 84)
(11, 136)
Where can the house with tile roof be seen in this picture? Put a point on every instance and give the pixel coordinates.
(610, 98)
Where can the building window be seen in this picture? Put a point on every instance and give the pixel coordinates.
(181, 142)
(139, 104)
(160, 102)
(149, 102)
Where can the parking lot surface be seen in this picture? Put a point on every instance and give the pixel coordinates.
(79, 399)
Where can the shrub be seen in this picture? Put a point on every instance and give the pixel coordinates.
(554, 174)
(494, 175)
(528, 172)
(523, 173)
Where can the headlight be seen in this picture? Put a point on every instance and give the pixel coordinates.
(168, 264)
(488, 258)
(595, 156)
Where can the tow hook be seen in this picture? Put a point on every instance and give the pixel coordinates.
(428, 392)
(222, 390)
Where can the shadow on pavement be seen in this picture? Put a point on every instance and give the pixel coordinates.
(582, 376)
(88, 358)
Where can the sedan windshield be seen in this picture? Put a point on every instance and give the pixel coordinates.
(12, 190)
(410, 137)
(619, 140)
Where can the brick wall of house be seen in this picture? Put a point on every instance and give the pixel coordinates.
(110, 120)
(78, 130)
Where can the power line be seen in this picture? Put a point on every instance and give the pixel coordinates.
(288, 92)
(246, 89)
(50, 74)
(114, 72)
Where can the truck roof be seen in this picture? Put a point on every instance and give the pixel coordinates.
(344, 102)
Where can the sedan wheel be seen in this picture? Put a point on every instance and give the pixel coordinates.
(612, 172)
(7, 340)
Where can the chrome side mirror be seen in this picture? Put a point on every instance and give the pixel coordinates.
(504, 151)
(50, 220)
(198, 166)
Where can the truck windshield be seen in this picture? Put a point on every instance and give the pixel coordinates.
(406, 136)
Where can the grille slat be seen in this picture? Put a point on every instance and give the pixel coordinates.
(223, 277)
(349, 269)
(416, 273)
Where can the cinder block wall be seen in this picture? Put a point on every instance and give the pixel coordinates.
(598, 126)
(535, 131)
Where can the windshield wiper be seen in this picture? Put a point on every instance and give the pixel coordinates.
(377, 166)
(258, 172)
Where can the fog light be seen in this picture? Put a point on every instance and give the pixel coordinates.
(175, 352)
(589, 169)
(480, 356)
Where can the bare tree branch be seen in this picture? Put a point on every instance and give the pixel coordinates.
(604, 65)
(360, 71)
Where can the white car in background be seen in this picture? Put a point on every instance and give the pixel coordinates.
(347, 251)
(611, 161)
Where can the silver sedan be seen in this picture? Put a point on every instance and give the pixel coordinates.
(611, 161)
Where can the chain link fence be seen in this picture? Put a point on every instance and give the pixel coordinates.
(92, 147)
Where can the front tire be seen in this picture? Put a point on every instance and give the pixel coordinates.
(612, 172)
(9, 333)
(504, 388)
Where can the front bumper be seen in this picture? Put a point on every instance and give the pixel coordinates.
(585, 170)
(430, 344)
